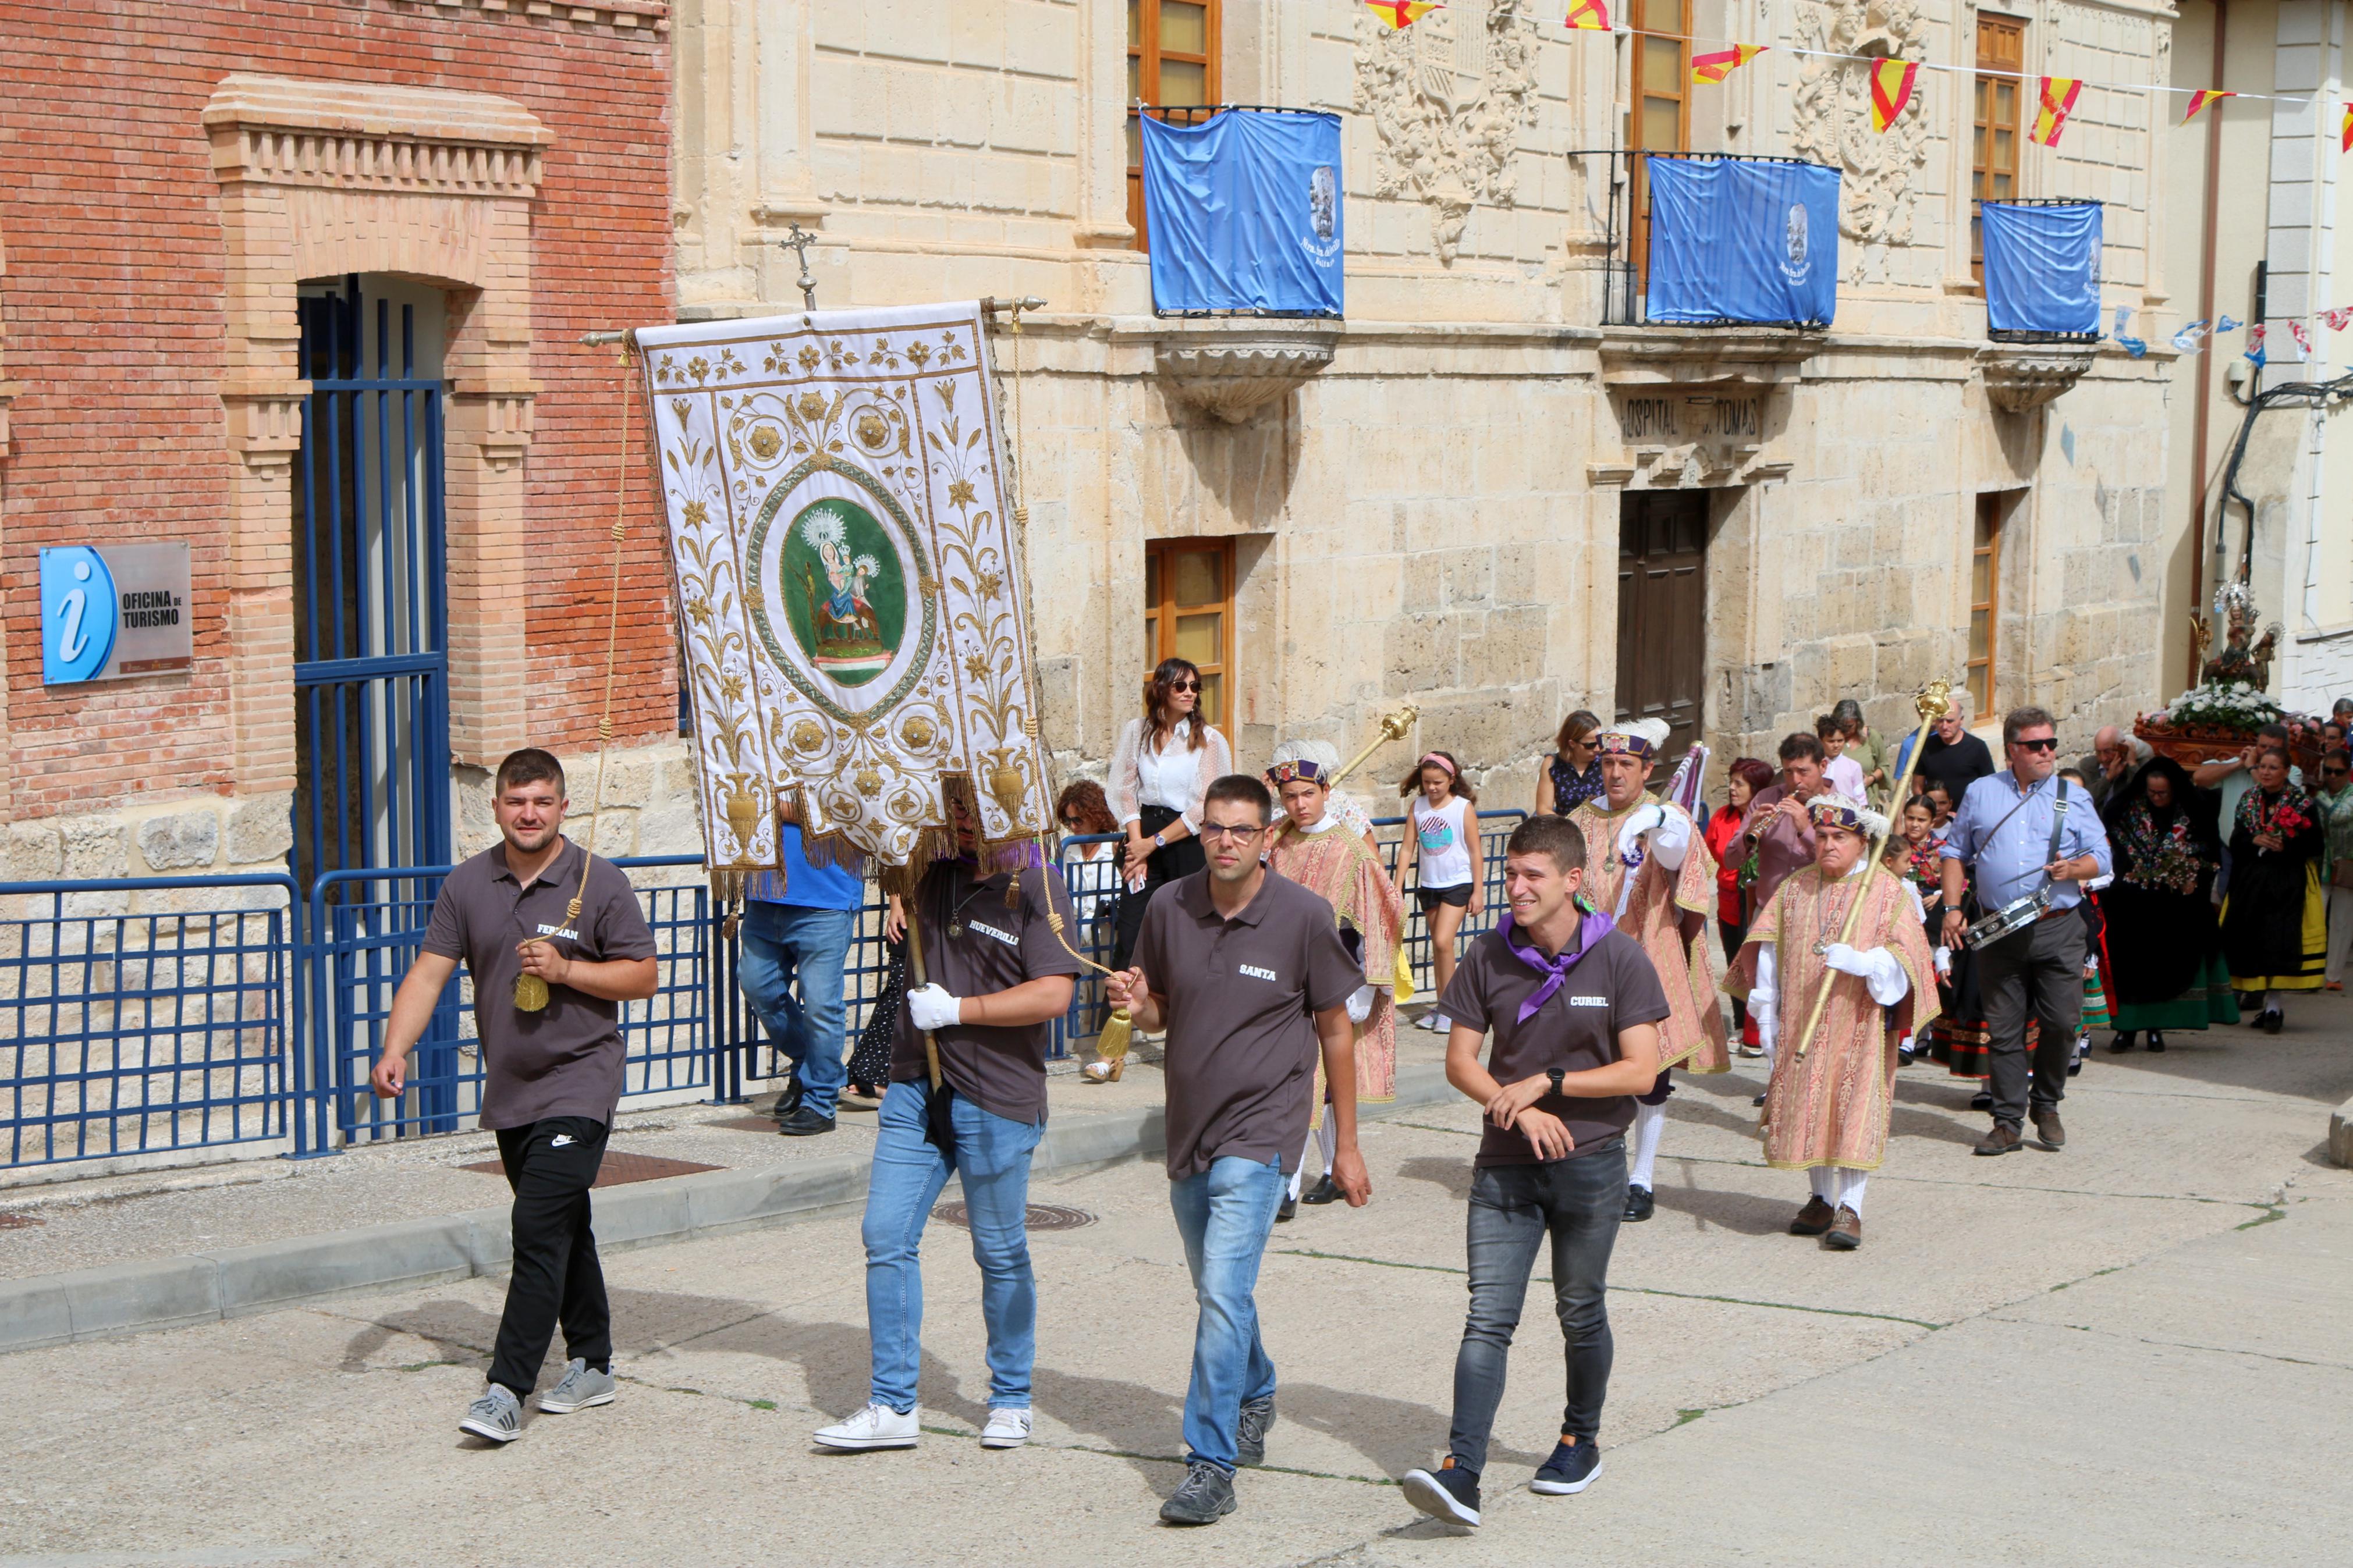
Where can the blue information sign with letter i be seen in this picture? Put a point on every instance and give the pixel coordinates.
(108, 614)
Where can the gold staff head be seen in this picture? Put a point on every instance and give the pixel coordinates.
(1935, 698)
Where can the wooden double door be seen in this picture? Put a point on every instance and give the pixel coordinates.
(1662, 613)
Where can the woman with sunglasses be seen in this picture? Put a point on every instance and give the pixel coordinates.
(1572, 775)
(1160, 773)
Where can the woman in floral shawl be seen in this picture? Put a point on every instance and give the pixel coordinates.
(2163, 960)
(2274, 922)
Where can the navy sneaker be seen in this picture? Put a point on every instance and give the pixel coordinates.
(1204, 1496)
(1572, 1467)
(1449, 1493)
(1250, 1430)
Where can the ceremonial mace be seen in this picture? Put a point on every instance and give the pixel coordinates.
(1931, 705)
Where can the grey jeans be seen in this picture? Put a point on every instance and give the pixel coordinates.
(2037, 972)
(1577, 1202)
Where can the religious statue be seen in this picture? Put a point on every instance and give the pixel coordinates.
(2243, 658)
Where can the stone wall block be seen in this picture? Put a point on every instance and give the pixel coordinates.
(183, 841)
(96, 847)
(36, 851)
(260, 828)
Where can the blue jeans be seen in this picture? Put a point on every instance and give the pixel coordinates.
(992, 1154)
(1225, 1215)
(785, 940)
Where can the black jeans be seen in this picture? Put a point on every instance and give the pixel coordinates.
(2038, 970)
(1577, 1201)
(551, 1165)
(1181, 858)
(1733, 936)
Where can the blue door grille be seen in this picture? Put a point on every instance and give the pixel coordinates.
(371, 620)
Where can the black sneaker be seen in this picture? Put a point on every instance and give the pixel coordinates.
(1250, 1430)
(1206, 1496)
(1639, 1204)
(1449, 1493)
(1572, 1467)
(803, 1122)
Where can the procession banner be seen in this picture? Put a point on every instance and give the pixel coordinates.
(850, 590)
(1245, 213)
(2042, 267)
(1735, 240)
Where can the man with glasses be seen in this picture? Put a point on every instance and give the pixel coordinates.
(2004, 833)
(2335, 801)
(2110, 765)
(1246, 971)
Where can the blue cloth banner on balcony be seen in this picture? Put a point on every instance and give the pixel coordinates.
(1244, 213)
(2042, 267)
(1741, 241)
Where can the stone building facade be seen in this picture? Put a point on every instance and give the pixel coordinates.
(1475, 493)
(194, 191)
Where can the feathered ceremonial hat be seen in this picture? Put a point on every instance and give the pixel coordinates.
(1640, 738)
(1837, 811)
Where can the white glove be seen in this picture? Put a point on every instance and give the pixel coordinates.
(1942, 957)
(1765, 999)
(1644, 818)
(1360, 1004)
(1876, 967)
(933, 1008)
(1672, 839)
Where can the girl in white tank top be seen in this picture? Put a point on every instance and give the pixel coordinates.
(1447, 860)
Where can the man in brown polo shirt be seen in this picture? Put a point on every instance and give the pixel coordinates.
(998, 978)
(550, 1077)
(1246, 971)
(1574, 1007)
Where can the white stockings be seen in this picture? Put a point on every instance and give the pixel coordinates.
(1839, 1189)
(1650, 1121)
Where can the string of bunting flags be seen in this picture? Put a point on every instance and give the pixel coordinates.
(1893, 80)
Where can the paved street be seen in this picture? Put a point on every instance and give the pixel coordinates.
(2133, 1352)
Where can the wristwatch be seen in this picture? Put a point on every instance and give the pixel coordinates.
(1159, 841)
(1557, 1074)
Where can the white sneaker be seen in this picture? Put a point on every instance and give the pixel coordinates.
(1006, 1428)
(876, 1427)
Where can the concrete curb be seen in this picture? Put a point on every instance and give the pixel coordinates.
(172, 1292)
(2340, 1135)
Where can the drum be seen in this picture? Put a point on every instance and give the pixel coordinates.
(2010, 918)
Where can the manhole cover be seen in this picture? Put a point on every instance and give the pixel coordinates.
(10, 1220)
(746, 1124)
(1041, 1216)
(618, 1170)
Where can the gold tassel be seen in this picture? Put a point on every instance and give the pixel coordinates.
(1403, 976)
(1112, 1040)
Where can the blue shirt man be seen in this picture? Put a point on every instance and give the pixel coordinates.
(797, 926)
(2003, 826)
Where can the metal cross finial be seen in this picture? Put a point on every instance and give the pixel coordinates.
(800, 239)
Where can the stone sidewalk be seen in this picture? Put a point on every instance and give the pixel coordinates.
(2131, 1352)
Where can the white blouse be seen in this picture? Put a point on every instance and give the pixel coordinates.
(1174, 778)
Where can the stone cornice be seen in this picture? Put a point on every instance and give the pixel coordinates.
(624, 17)
(278, 131)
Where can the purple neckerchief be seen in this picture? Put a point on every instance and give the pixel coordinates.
(1590, 931)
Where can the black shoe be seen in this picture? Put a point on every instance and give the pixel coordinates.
(2271, 1021)
(1250, 1430)
(2156, 1042)
(1290, 1209)
(803, 1123)
(1639, 1204)
(1206, 1496)
(1905, 1056)
(1982, 1100)
(2124, 1041)
(788, 1101)
(1759, 1101)
(1449, 1493)
(1572, 1467)
(1323, 1192)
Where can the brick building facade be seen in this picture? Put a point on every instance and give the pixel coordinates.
(193, 190)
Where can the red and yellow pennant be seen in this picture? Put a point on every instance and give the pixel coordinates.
(2345, 136)
(1400, 15)
(1588, 16)
(2201, 98)
(1715, 68)
(1891, 89)
(2059, 95)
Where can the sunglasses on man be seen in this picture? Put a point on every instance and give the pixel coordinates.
(2047, 744)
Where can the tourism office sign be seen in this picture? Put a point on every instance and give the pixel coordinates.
(112, 612)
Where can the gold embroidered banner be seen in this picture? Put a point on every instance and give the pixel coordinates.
(849, 592)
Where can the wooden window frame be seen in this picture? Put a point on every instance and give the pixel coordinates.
(1989, 512)
(1160, 616)
(1639, 198)
(1145, 48)
(1983, 125)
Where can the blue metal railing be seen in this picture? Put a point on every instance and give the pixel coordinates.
(216, 1023)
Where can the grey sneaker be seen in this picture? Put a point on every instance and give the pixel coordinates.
(1205, 1497)
(495, 1416)
(579, 1389)
(1250, 1431)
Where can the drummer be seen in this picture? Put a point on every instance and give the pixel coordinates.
(2004, 831)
